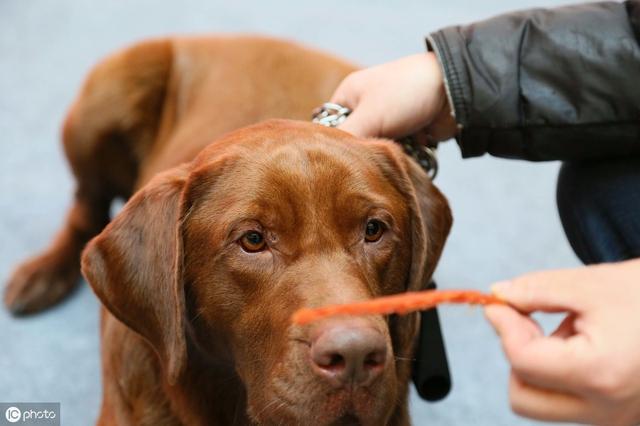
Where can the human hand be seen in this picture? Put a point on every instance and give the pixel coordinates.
(588, 370)
(397, 99)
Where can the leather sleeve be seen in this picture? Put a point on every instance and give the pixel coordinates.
(554, 84)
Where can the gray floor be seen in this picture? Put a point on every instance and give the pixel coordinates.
(505, 218)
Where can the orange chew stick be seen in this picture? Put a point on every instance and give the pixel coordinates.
(402, 303)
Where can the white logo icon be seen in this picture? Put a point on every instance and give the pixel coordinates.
(13, 414)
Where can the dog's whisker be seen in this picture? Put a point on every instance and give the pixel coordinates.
(266, 407)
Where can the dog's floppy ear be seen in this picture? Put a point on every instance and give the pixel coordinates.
(135, 267)
(431, 223)
(429, 212)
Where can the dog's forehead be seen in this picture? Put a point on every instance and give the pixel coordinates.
(302, 169)
(310, 168)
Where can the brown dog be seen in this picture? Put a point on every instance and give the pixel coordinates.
(202, 269)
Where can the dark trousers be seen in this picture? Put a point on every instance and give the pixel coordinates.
(599, 205)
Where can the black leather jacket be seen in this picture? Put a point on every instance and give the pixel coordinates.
(557, 84)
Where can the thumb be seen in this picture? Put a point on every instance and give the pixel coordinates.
(362, 123)
(548, 291)
(514, 328)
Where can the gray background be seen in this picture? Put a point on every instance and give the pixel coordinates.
(505, 218)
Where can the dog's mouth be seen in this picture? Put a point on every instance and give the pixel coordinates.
(348, 419)
(355, 408)
(340, 410)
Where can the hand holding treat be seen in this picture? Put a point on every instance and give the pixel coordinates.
(587, 370)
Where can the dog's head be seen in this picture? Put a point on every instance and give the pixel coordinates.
(214, 256)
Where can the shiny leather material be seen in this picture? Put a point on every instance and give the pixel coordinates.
(555, 84)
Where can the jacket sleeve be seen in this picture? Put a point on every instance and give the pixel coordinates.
(556, 84)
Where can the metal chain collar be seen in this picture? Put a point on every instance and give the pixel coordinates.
(332, 115)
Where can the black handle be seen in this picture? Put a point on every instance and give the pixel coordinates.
(431, 375)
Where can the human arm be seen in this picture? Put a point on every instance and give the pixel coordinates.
(555, 84)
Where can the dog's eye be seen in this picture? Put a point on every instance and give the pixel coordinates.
(252, 242)
(373, 231)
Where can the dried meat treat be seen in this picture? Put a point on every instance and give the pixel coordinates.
(402, 303)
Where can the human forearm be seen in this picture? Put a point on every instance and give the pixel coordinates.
(546, 84)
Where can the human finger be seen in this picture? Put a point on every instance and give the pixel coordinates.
(547, 405)
(549, 362)
(566, 328)
(362, 122)
(549, 291)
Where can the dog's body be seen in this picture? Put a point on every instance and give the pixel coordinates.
(196, 329)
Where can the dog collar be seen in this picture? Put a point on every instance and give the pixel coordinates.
(332, 115)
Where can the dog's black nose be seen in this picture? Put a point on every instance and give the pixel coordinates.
(349, 353)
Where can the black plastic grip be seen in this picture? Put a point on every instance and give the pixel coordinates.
(431, 375)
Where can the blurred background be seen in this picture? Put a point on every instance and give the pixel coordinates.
(505, 218)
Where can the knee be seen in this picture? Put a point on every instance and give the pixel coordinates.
(594, 199)
(576, 193)
(578, 209)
